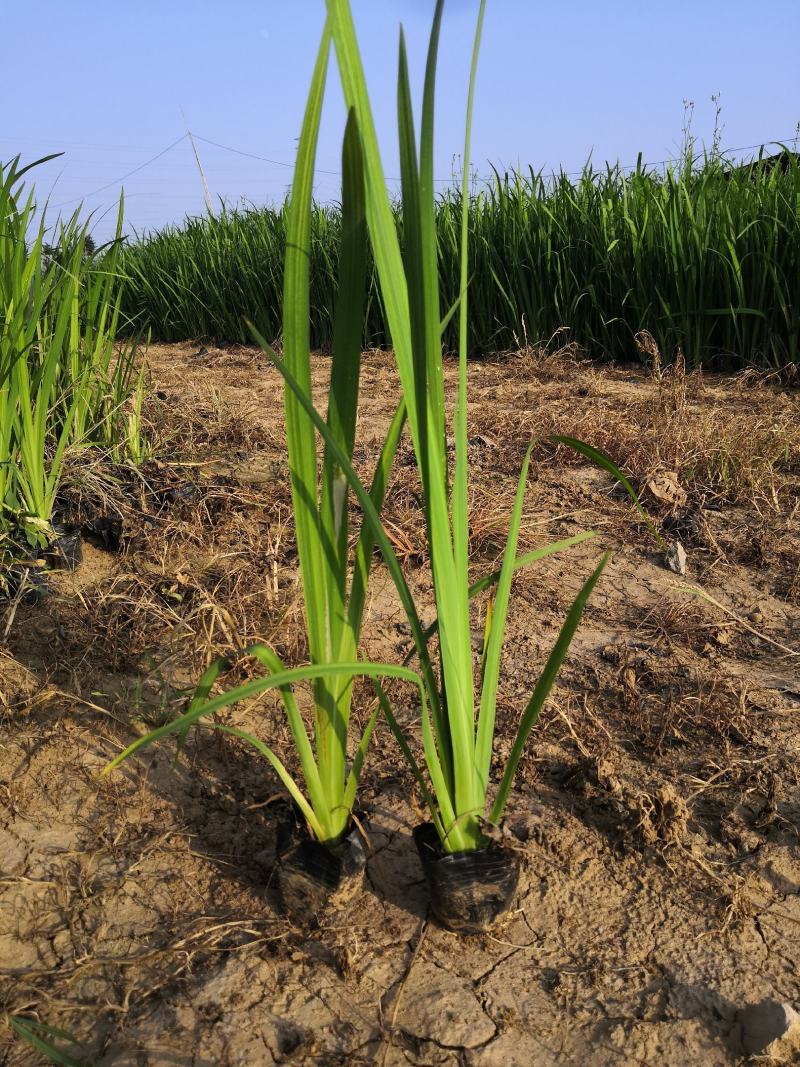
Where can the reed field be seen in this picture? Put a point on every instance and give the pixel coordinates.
(705, 257)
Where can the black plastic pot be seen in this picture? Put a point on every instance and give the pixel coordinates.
(469, 890)
(30, 580)
(65, 551)
(312, 877)
(186, 494)
(105, 531)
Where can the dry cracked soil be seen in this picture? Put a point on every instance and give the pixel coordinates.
(656, 813)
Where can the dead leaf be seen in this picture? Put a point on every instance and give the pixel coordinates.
(665, 487)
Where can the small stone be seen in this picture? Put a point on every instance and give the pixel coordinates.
(771, 1029)
(675, 558)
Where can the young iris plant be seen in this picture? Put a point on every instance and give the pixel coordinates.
(458, 732)
(33, 347)
(458, 743)
(63, 382)
(334, 593)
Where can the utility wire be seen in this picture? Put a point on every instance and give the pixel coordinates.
(337, 174)
(572, 173)
(723, 152)
(130, 173)
(279, 163)
(263, 159)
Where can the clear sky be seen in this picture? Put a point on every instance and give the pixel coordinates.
(113, 83)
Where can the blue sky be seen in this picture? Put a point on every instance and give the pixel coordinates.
(112, 84)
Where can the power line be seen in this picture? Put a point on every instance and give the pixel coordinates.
(263, 159)
(723, 152)
(130, 173)
(337, 174)
(279, 163)
(48, 142)
(628, 166)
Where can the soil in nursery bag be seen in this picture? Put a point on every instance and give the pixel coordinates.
(26, 581)
(469, 890)
(312, 877)
(187, 494)
(65, 551)
(105, 531)
(25, 577)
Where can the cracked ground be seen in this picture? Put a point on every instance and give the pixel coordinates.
(656, 813)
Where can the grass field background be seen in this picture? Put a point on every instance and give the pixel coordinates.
(702, 257)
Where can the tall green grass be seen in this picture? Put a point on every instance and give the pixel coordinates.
(334, 579)
(704, 256)
(64, 379)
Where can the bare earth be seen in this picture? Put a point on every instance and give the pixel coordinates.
(657, 811)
